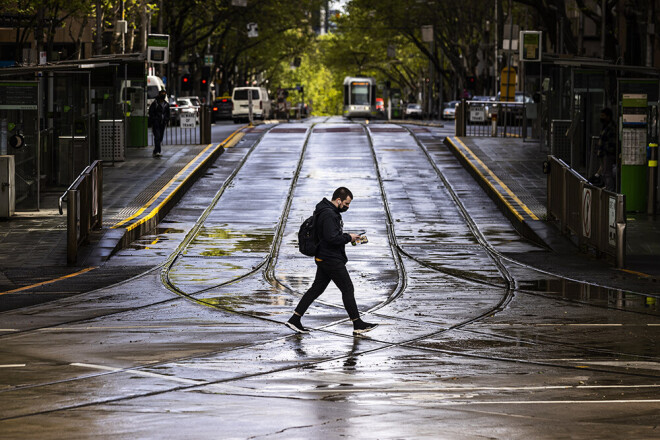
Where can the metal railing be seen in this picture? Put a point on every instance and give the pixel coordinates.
(84, 208)
(187, 128)
(593, 215)
(491, 118)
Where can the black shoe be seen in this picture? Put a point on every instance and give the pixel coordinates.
(360, 327)
(296, 326)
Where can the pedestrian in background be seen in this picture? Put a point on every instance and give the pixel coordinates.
(331, 261)
(159, 117)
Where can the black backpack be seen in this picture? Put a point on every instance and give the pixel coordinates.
(308, 243)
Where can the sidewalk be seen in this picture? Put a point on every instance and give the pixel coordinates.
(511, 171)
(137, 193)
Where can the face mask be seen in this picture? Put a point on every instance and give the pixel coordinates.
(343, 209)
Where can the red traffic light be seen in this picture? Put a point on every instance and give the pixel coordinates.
(185, 79)
(203, 81)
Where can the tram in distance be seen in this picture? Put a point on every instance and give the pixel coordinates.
(359, 97)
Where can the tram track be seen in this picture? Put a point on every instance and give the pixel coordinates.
(268, 267)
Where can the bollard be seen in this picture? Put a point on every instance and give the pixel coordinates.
(653, 178)
(620, 245)
(205, 125)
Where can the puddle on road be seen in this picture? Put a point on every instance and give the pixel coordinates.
(234, 302)
(159, 235)
(620, 299)
(223, 242)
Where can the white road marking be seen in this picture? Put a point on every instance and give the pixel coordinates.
(626, 364)
(12, 365)
(386, 390)
(551, 402)
(8, 329)
(581, 325)
(563, 324)
(133, 327)
(139, 373)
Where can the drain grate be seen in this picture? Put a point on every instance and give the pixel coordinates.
(288, 130)
(387, 130)
(338, 130)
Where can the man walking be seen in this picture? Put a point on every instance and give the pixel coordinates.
(331, 261)
(159, 117)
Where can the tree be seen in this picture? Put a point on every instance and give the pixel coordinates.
(44, 18)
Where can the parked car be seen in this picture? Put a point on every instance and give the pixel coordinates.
(413, 111)
(194, 100)
(186, 107)
(449, 112)
(261, 106)
(175, 117)
(515, 110)
(221, 109)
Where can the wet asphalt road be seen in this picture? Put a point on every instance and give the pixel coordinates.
(471, 344)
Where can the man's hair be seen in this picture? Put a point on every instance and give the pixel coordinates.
(342, 193)
(607, 112)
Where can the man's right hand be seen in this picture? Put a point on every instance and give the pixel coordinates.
(354, 237)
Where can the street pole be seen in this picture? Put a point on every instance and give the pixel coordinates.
(602, 28)
(497, 67)
(123, 34)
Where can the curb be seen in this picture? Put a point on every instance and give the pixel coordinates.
(147, 218)
(415, 122)
(518, 221)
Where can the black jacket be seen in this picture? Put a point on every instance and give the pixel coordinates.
(159, 112)
(329, 228)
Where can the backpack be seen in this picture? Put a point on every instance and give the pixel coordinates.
(308, 243)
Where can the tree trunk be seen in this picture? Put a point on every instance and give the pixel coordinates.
(98, 38)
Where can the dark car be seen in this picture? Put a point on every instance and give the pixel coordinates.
(175, 112)
(221, 109)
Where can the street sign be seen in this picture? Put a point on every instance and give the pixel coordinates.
(510, 37)
(19, 95)
(208, 60)
(188, 120)
(253, 30)
(477, 115)
(158, 48)
(427, 33)
(530, 48)
(508, 84)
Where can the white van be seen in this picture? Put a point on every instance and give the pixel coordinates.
(261, 107)
(154, 85)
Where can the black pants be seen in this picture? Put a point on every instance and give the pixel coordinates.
(336, 272)
(159, 131)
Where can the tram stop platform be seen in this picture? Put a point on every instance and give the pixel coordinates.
(511, 171)
(137, 193)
